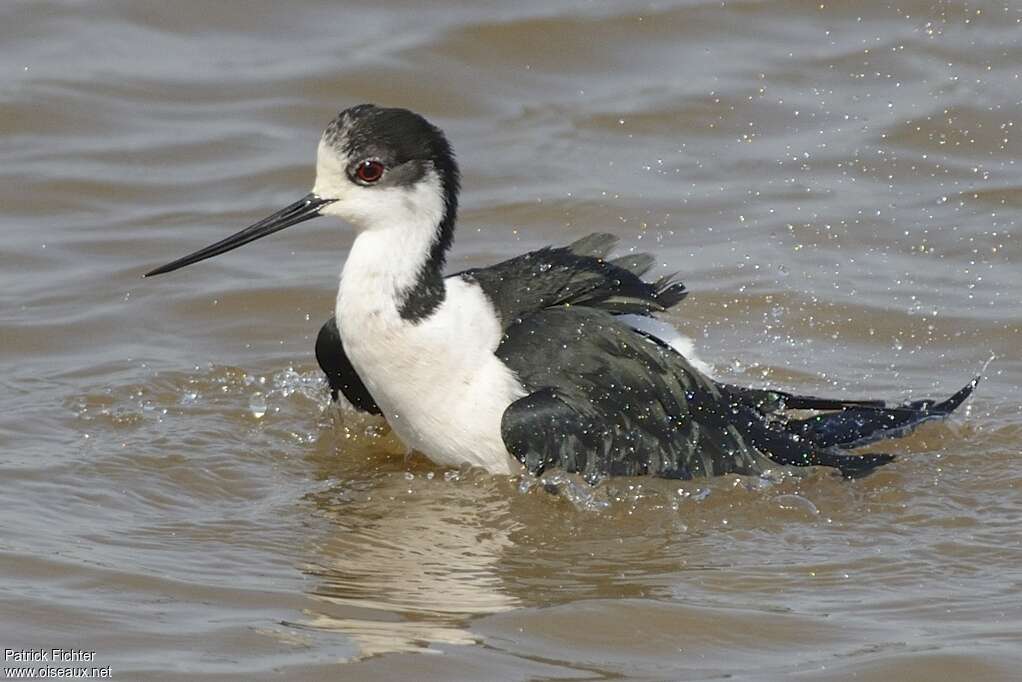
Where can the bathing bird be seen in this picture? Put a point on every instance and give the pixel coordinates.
(553, 359)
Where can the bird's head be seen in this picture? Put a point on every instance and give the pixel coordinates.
(376, 168)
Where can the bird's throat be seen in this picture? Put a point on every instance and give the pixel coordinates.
(391, 277)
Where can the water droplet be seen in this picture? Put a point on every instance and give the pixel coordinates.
(257, 405)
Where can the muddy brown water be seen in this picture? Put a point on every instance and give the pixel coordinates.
(838, 183)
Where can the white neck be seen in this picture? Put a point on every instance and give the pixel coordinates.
(398, 227)
(379, 269)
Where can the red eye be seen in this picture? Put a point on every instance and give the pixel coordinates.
(369, 171)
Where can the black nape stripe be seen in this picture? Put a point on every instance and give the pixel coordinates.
(426, 295)
(428, 292)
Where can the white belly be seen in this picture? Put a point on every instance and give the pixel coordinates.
(438, 382)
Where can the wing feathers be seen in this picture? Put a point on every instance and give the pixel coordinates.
(577, 274)
(606, 400)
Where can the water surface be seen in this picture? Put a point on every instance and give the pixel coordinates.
(837, 183)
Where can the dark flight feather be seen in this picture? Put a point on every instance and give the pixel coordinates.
(855, 426)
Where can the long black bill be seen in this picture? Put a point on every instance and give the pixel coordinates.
(305, 208)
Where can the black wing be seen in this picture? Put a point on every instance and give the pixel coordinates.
(605, 400)
(339, 372)
(577, 274)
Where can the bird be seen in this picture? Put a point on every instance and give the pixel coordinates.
(554, 359)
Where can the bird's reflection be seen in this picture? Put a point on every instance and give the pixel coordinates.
(410, 553)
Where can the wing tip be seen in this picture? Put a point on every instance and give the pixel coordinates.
(959, 397)
(669, 291)
(636, 263)
(596, 245)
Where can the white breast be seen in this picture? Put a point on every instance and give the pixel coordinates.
(438, 382)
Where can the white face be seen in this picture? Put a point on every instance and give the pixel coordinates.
(402, 196)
